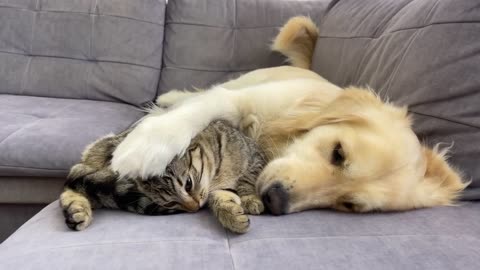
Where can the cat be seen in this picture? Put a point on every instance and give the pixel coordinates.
(219, 168)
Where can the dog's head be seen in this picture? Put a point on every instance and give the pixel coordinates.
(355, 154)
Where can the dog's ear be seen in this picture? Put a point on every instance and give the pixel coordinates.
(441, 183)
(352, 105)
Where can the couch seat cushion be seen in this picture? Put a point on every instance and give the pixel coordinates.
(439, 238)
(43, 137)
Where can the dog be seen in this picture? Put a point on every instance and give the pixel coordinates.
(327, 147)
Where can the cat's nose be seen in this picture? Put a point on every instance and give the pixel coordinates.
(191, 206)
(275, 198)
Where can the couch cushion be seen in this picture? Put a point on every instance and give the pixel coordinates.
(119, 240)
(45, 136)
(106, 50)
(29, 190)
(210, 41)
(440, 238)
(421, 53)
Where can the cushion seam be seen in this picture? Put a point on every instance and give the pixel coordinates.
(401, 29)
(170, 22)
(385, 22)
(31, 168)
(209, 70)
(84, 60)
(84, 13)
(445, 119)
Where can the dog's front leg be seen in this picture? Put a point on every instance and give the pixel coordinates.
(157, 139)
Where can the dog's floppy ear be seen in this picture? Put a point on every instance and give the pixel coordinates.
(352, 105)
(441, 184)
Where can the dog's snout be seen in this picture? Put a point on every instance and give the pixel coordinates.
(275, 198)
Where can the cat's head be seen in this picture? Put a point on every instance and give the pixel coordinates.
(184, 185)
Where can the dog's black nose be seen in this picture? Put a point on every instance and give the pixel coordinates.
(275, 199)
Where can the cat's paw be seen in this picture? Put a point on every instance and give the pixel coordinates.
(252, 204)
(78, 215)
(232, 217)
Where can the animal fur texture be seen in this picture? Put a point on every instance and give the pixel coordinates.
(327, 147)
(220, 167)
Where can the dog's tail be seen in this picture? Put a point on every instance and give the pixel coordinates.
(296, 41)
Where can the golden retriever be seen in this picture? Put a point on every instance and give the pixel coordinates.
(327, 147)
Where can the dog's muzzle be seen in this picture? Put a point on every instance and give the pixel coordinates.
(275, 198)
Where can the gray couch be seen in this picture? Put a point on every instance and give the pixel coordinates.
(73, 70)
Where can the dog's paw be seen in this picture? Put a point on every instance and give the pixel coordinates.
(78, 215)
(150, 147)
(171, 98)
(252, 204)
(233, 218)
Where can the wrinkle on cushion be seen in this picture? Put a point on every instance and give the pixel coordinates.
(46, 136)
(420, 53)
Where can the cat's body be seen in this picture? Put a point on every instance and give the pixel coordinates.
(219, 168)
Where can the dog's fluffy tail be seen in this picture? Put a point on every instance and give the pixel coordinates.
(296, 41)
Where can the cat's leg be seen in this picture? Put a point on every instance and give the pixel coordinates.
(77, 209)
(251, 202)
(85, 190)
(226, 206)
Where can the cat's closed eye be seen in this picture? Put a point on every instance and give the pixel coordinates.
(170, 204)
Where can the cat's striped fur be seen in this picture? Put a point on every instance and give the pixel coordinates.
(219, 168)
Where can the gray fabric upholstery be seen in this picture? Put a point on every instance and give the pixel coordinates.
(440, 238)
(106, 50)
(30, 190)
(16, 214)
(421, 53)
(110, 50)
(210, 41)
(45, 136)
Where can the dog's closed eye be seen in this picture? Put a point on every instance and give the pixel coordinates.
(348, 205)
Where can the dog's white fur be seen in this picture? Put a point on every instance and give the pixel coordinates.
(299, 117)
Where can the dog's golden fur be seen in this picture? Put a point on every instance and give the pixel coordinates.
(400, 175)
(328, 147)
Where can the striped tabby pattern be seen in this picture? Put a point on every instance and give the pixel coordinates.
(219, 168)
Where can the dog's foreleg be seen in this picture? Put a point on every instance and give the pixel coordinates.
(157, 139)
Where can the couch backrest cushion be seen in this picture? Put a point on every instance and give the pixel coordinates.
(210, 41)
(107, 50)
(421, 53)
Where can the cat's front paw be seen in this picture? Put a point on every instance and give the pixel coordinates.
(78, 216)
(252, 204)
(232, 217)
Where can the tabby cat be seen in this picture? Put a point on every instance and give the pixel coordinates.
(220, 168)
